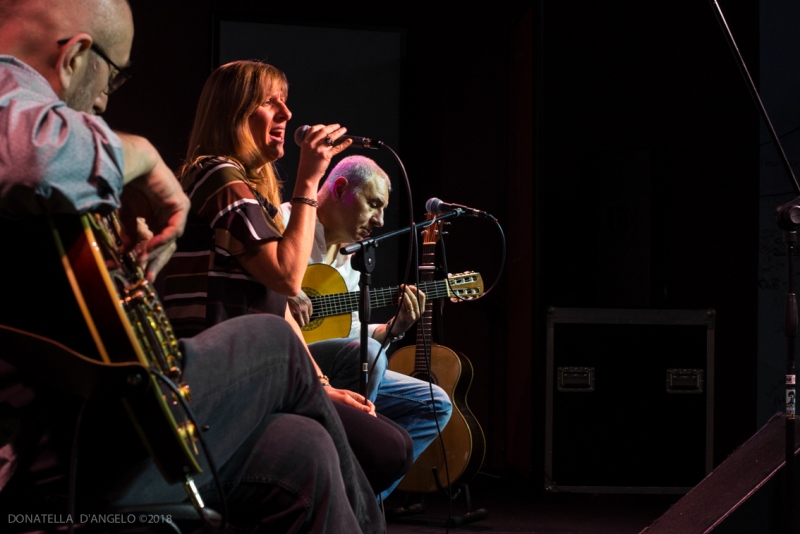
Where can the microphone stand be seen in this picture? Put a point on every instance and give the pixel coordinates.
(363, 260)
(788, 219)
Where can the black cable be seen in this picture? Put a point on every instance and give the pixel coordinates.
(500, 271)
(751, 86)
(411, 253)
(486, 292)
(427, 343)
(211, 464)
(414, 253)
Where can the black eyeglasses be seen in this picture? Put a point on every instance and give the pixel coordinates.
(115, 79)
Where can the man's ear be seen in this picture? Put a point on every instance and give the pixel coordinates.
(73, 58)
(340, 186)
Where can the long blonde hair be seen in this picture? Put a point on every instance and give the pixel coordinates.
(232, 93)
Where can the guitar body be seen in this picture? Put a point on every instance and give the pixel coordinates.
(321, 279)
(463, 437)
(107, 311)
(127, 323)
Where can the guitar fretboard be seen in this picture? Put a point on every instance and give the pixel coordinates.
(422, 355)
(341, 303)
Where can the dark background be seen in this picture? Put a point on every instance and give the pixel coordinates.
(616, 143)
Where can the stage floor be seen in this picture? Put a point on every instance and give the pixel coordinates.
(519, 507)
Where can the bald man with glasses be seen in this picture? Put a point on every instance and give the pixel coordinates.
(281, 454)
(116, 74)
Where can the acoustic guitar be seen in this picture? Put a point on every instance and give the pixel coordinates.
(101, 307)
(333, 304)
(463, 439)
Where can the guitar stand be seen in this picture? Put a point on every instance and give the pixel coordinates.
(471, 515)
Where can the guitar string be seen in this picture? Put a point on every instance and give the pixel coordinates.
(341, 303)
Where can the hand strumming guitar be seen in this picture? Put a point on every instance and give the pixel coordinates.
(301, 308)
(153, 193)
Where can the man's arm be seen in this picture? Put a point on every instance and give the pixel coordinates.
(152, 192)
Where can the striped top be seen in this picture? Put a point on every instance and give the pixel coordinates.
(204, 284)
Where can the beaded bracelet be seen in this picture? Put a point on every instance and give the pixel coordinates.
(305, 200)
(325, 381)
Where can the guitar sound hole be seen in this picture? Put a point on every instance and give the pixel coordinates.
(313, 324)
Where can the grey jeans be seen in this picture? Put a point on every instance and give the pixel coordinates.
(279, 446)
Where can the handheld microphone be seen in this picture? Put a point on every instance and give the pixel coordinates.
(434, 206)
(359, 142)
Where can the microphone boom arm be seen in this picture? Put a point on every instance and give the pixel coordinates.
(373, 241)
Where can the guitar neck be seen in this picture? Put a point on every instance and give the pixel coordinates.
(341, 303)
(422, 355)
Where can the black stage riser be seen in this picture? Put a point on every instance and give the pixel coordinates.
(745, 494)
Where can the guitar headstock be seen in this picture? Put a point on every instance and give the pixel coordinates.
(464, 286)
(431, 234)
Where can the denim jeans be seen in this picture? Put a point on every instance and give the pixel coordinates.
(340, 360)
(421, 408)
(278, 444)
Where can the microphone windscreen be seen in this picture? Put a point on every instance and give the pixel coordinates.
(432, 206)
(300, 134)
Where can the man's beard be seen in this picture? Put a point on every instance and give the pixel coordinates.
(82, 99)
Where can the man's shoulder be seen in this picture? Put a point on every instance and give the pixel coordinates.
(19, 80)
(10, 62)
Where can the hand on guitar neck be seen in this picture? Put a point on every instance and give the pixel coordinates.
(411, 302)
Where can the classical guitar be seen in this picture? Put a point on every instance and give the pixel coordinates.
(107, 311)
(333, 304)
(464, 443)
